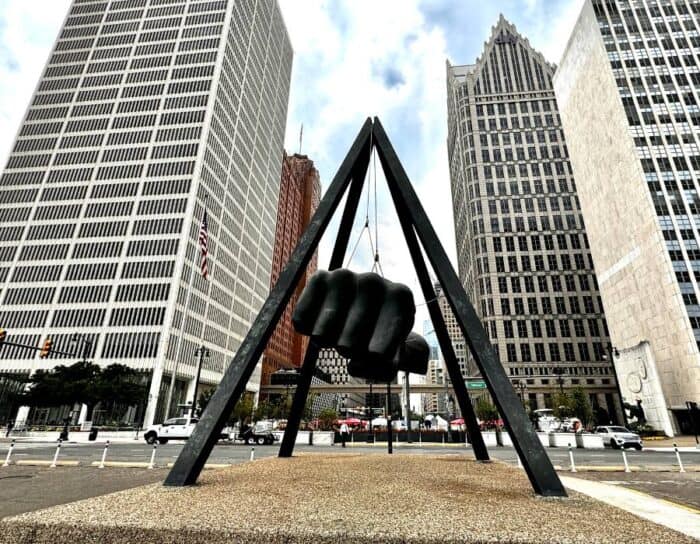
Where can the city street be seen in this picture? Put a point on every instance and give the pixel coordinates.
(28, 488)
(224, 452)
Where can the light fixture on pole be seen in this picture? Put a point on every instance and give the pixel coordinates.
(201, 352)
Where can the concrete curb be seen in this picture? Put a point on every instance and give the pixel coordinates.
(208, 465)
(683, 519)
(44, 463)
(125, 464)
(633, 468)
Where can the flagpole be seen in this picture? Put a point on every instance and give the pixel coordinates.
(178, 352)
(208, 278)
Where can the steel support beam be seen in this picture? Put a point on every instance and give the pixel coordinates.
(197, 449)
(312, 350)
(537, 465)
(460, 389)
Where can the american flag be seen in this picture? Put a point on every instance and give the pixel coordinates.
(203, 243)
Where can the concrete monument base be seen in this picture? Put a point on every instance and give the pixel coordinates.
(338, 498)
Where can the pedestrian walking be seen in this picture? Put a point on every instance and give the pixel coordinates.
(344, 433)
(10, 426)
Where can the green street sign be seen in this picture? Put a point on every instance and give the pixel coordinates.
(476, 385)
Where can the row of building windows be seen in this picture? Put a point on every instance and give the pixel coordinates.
(535, 304)
(557, 352)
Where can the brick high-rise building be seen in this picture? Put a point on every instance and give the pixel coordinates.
(628, 89)
(521, 243)
(299, 196)
(147, 113)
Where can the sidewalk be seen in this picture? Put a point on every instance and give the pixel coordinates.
(683, 519)
(682, 441)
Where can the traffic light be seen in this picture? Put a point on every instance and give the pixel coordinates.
(48, 343)
(3, 336)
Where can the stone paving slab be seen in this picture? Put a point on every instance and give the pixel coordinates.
(336, 499)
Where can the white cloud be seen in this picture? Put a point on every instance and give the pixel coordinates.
(352, 60)
(27, 33)
(345, 64)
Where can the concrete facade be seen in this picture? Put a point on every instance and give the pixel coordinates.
(146, 114)
(522, 248)
(629, 158)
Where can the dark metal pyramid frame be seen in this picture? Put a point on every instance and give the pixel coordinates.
(417, 230)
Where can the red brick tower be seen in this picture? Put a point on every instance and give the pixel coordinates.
(300, 194)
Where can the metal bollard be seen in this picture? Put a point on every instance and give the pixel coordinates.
(571, 459)
(104, 455)
(420, 439)
(55, 455)
(443, 439)
(9, 453)
(252, 453)
(678, 456)
(152, 464)
(624, 458)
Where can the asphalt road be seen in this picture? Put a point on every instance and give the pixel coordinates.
(29, 488)
(139, 451)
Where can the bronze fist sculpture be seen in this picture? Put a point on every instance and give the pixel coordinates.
(367, 319)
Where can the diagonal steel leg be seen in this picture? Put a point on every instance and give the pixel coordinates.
(480, 451)
(307, 368)
(537, 465)
(198, 448)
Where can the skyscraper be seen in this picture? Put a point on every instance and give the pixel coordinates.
(628, 93)
(147, 114)
(300, 194)
(521, 244)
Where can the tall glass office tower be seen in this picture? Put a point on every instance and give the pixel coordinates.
(521, 243)
(628, 94)
(148, 114)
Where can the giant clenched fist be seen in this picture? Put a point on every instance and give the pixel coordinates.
(366, 318)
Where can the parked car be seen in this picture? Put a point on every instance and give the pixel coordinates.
(176, 428)
(619, 437)
(546, 422)
(256, 435)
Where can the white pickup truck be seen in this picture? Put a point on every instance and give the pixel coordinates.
(177, 428)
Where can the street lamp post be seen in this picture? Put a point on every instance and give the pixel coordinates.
(520, 384)
(201, 352)
(558, 371)
(612, 352)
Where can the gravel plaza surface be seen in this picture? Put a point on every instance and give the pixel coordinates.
(340, 498)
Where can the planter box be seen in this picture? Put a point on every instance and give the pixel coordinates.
(544, 438)
(562, 440)
(504, 439)
(490, 438)
(589, 441)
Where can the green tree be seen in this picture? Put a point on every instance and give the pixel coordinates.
(486, 411)
(327, 418)
(264, 410)
(581, 406)
(562, 406)
(119, 385)
(243, 410)
(66, 385)
(309, 407)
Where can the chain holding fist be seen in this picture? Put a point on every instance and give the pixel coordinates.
(367, 319)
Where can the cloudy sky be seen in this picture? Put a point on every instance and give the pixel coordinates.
(352, 59)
